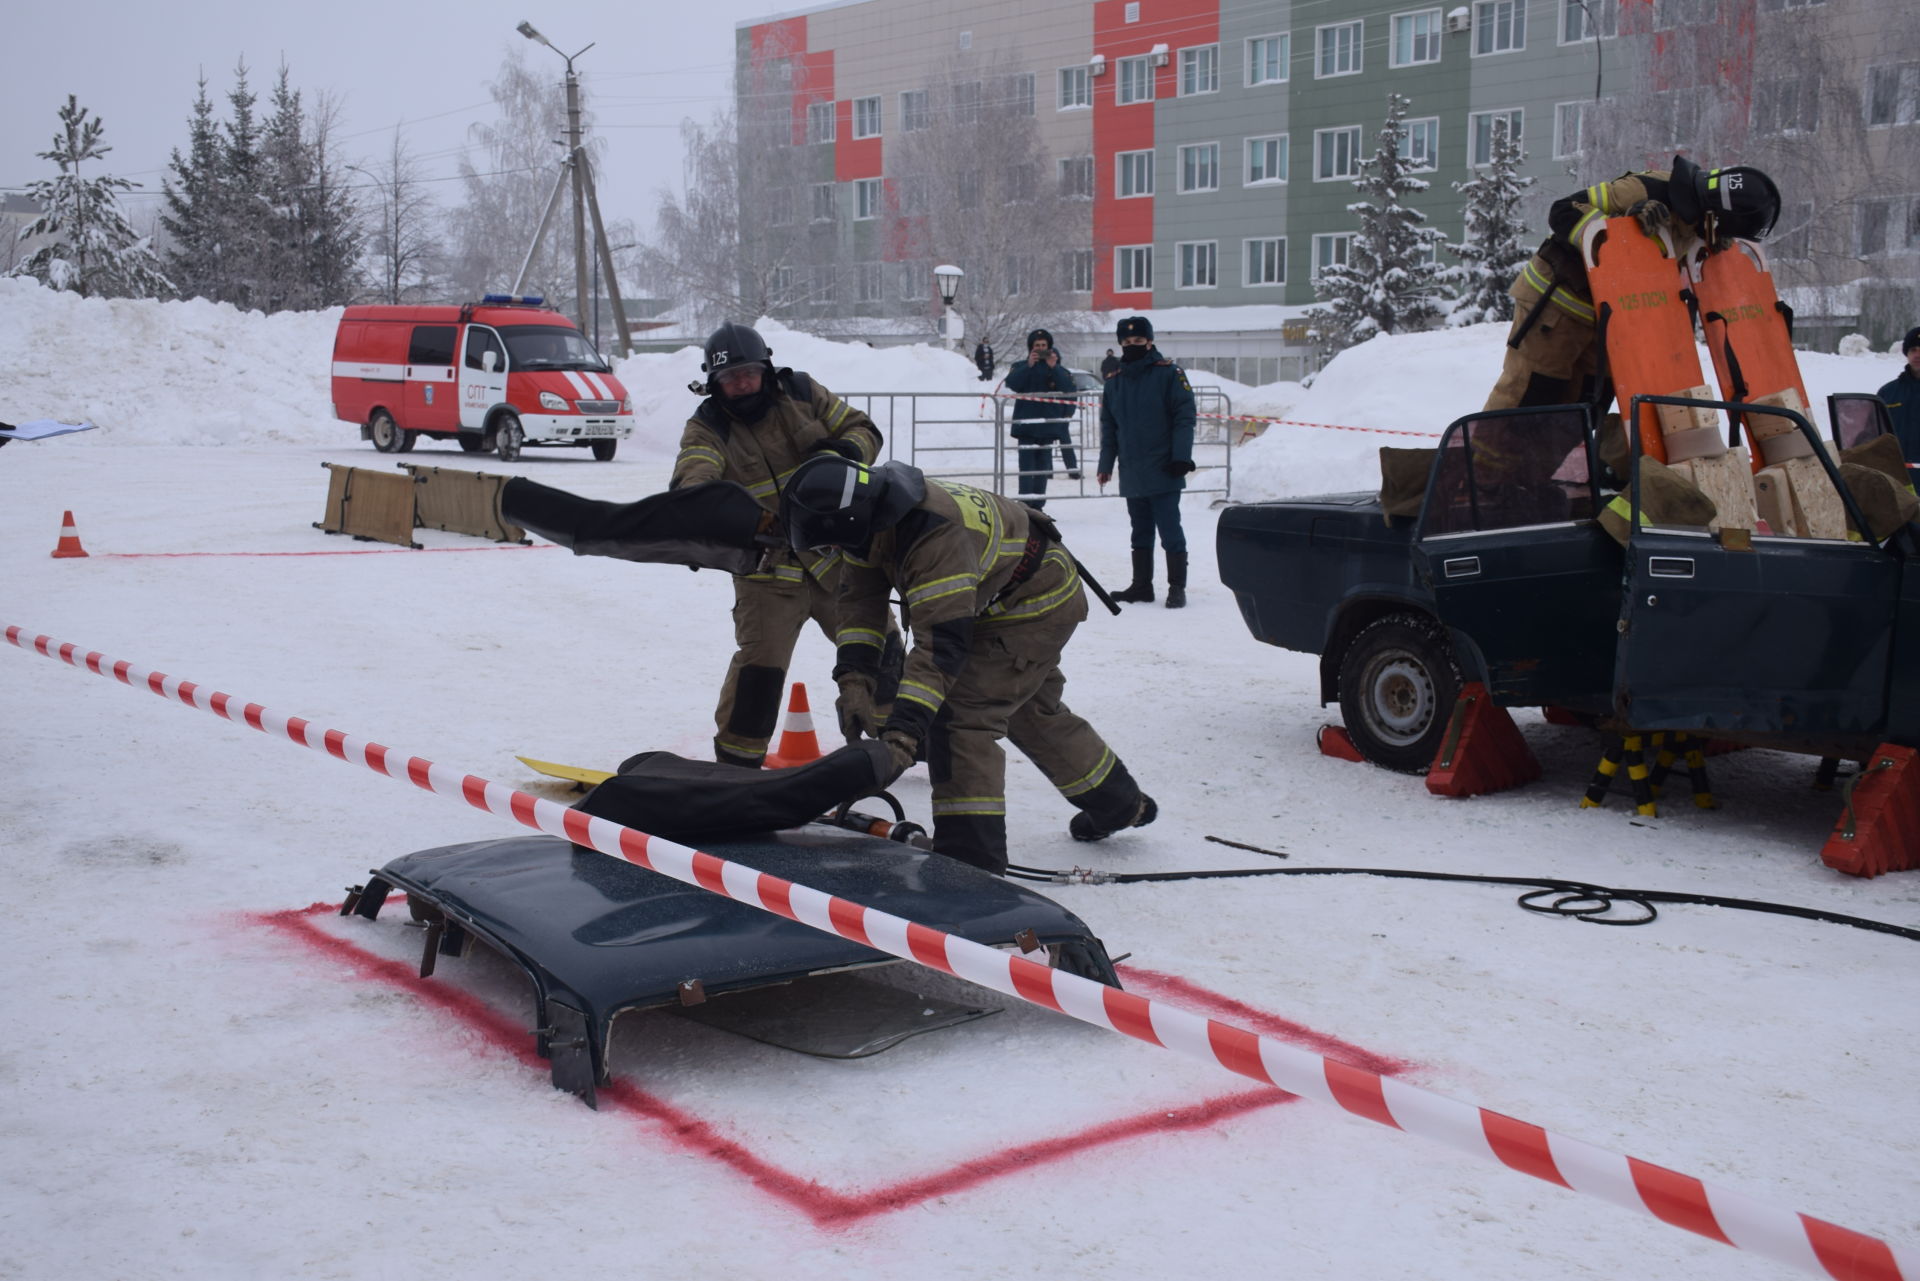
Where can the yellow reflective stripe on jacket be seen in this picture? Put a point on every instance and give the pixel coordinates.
(780, 574)
(951, 585)
(987, 805)
(1093, 777)
(1566, 300)
(1600, 196)
(700, 452)
(925, 695)
(1621, 508)
(860, 636)
(1031, 607)
(838, 413)
(821, 569)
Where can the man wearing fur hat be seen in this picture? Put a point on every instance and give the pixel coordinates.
(1042, 415)
(1147, 417)
(1902, 397)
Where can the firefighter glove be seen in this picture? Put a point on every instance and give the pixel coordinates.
(1652, 216)
(901, 750)
(855, 706)
(1177, 466)
(841, 446)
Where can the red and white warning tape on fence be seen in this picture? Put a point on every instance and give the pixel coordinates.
(1819, 1247)
(1229, 418)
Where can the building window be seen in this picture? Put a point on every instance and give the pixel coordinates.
(1679, 111)
(783, 285)
(1267, 59)
(819, 122)
(1339, 50)
(1775, 6)
(911, 192)
(1791, 105)
(1267, 261)
(1135, 83)
(1499, 26)
(866, 199)
(1416, 38)
(780, 207)
(1569, 128)
(1480, 128)
(1133, 174)
(1332, 251)
(868, 282)
(1422, 143)
(1890, 226)
(1132, 268)
(1021, 181)
(1582, 20)
(1076, 271)
(1076, 88)
(1266, 160)
(915, 114)
(1893, 94)
(1132, 12)
(823, 202)
(826, 286)
(1019, 94)
(966, 102)
(1018, 269)
(1336, 153)
(1200, 167)
(1200, 70)
(966, 186)
(916, 281)
(1199, 261)
(1792, 239)
(866, 117)
(1076, 178)
(1669, 14)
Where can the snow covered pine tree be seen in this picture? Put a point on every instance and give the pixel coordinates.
(87, 245)
(1493, 247)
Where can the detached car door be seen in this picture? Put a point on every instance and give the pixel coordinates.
(1520, 569)
(1757, 634)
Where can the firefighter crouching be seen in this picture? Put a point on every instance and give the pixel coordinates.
(991, 599)
(1553, 355)
(756, 425)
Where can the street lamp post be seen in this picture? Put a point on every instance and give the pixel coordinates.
(948, 278)
(528, 30)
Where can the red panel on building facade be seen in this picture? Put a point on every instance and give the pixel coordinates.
(852, 157)
(1177, 24)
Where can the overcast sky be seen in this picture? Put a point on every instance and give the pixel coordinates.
(134, 64)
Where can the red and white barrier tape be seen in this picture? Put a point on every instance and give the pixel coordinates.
(1227, 418)
(1814, 1245)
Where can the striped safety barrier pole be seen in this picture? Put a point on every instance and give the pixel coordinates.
(1733, 1218)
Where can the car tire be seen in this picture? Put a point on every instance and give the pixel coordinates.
(1398, 685)
(604, 450)
(385, 433)
(472, 443)
(408, 439)
(508, 437)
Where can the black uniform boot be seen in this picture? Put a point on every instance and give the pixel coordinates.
(1176, 580)
(1140, 590)
(1116, 804)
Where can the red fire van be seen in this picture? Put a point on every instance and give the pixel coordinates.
(495, 375)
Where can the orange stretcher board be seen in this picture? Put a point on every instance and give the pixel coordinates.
(1747, 334)
(1642, 316)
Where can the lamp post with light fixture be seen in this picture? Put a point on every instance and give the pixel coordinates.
(947, 277)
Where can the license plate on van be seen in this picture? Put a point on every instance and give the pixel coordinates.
(596, 429)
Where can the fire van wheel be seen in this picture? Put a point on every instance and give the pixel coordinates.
(408, 439)
(603, 450)
(507, 437)
(387, 436)
(1398, 684)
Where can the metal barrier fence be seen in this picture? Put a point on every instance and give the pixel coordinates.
(964, 436)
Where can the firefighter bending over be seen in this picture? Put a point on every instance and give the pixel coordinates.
(992, 599)
(756, 426)
(1553, 349)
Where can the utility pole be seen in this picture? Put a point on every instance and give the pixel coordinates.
(576, 160)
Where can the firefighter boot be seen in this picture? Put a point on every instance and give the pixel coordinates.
(1117, 803)
(1140, 590)
(1176, 580)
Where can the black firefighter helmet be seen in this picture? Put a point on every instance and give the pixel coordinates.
(833, 501)
(1741, 200)
(731, 346)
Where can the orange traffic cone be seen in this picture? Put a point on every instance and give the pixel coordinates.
(69, 540)
(799, 745)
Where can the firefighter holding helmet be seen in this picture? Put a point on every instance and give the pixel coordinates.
(755, 427)
(992, 599)
(1552, 353)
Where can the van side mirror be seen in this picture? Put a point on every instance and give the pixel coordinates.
(488, 359)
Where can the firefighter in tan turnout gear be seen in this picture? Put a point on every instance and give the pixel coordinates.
(991, 599)
(1553, 349)
(755, 427)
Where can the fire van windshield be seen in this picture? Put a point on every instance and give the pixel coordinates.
(550, 347)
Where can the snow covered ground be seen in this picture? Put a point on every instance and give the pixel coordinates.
(194, 1086)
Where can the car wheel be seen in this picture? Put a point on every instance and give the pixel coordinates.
(472, 444)
(1398, 684)
(387, 436)
(507, 438)
(408, 439)
(603, 450)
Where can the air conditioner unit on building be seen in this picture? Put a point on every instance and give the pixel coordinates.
(1459, 19)
(1159, 54)
(1097, 64)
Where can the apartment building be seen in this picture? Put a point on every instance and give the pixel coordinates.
(1213, 142)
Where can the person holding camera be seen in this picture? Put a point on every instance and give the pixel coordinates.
(1043, 414)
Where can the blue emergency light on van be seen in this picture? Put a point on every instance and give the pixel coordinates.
(514, 300)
